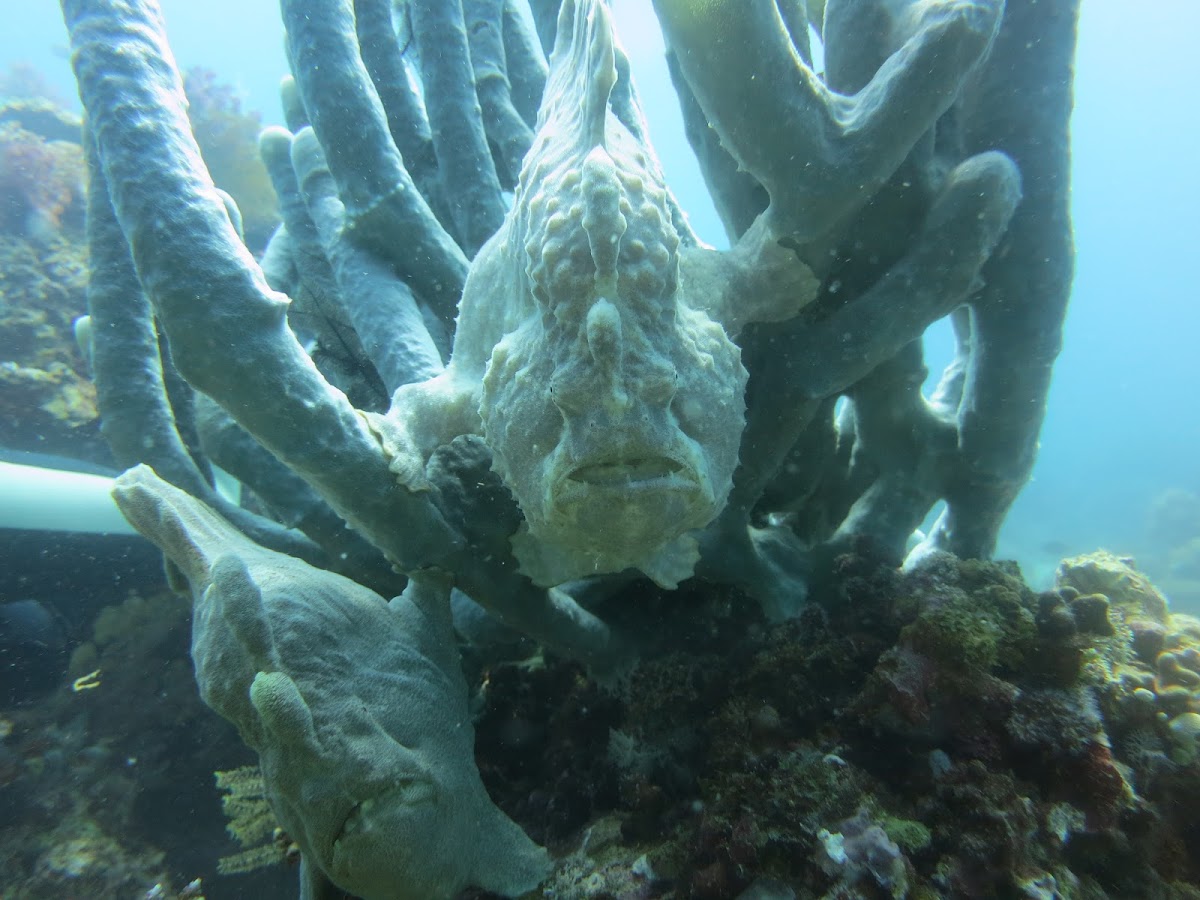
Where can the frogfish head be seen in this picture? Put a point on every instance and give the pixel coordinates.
(615, 410)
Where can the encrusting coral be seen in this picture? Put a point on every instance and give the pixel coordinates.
(543, 402)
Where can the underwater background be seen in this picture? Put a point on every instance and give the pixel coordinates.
(1118, 468)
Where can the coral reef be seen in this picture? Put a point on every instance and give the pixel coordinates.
(865, 748)
(47, 400)
(486, 339)
(41, 181)
(860, 751)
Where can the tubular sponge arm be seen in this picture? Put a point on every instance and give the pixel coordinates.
(820, 154)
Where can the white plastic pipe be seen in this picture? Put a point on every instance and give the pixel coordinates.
(51, 500)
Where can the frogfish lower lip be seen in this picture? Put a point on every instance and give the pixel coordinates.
(626, 471)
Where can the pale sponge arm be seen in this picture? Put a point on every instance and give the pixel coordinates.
(356, 706)
(208, 291)
(385, 213)
(138, 417)
(820, 154)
